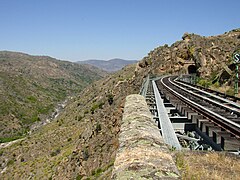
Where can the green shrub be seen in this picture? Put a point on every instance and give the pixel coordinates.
(79, 177)
(96, 106)
(110, 99)
(216, 85)
(180, 161)
(31, 99)
(8, 139)
(204, 83)
(100, 105)
(79, 118)
(10, 162)
(85, 154)
(86, 112)
(230, 92)
(56, 152)
(1, 152)
(191, 50)
(98, 127)
(97, 172)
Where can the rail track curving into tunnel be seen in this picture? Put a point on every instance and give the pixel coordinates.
(214, 112)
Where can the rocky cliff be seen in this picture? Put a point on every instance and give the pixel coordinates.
(210, 54)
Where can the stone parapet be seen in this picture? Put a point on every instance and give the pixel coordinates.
(142, 153)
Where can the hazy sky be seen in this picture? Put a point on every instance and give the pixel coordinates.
(104, 29)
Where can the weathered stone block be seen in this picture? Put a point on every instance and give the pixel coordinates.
(142, 153)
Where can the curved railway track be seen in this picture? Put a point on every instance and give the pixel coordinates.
(221, 112)
(212, 97)
(219, 94)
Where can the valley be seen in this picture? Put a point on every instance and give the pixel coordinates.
(81, 143)
(32, 86)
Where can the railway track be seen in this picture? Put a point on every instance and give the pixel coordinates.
(219, 94)
(211, 96)
(221, 114)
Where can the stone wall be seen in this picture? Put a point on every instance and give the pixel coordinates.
(142, 153)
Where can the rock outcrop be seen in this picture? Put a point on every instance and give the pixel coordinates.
(210, 54)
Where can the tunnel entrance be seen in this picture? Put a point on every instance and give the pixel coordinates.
(192, 69)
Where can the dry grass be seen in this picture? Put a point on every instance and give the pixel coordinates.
(202, 165)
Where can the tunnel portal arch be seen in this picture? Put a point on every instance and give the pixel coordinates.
(192, 69)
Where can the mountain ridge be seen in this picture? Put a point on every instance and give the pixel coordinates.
(110, 65)
(31, 87)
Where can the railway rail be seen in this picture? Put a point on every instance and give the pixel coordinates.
(220, 112)
(211, 97)
(219, 94)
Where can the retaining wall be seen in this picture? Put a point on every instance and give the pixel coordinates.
(142, 153)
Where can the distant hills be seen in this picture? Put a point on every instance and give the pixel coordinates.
(31, 86)
(111, 65)
(83, 140)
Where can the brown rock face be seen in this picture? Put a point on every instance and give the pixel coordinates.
(210, 54)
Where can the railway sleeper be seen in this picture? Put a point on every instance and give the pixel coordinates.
(191, 113)
(188, 112)
(214, 134)
(231, 144)
(236, 120)
(183, 108)
(195, 117)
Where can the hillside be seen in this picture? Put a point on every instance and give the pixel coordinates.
(111, 65)
(31, 87)
(82, 142)
(212, 57)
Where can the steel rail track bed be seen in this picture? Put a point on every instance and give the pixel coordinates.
(221, 112)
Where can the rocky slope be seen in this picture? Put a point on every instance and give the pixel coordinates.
(31, 87)
(82, 142)
(111, 65)
(212, 57)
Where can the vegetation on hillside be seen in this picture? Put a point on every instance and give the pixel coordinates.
(82, 142)
(205, 165)
(31, 87)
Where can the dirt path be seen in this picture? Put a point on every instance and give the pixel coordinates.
(3, 145)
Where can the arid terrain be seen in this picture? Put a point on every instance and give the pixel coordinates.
(81, 142)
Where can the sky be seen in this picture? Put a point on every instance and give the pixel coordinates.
(77, 30)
